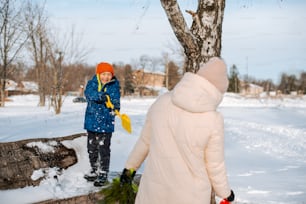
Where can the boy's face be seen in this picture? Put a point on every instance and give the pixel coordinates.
(105, 77)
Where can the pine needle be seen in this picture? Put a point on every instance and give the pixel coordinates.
(118, 193)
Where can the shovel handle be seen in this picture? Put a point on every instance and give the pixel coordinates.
(117, 113)
(124, 118)
(108, 103)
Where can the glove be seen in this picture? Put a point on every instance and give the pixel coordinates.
(103, 98)
(229, 199)
(127, 176)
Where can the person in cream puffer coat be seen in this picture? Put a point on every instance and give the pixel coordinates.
(182, 142)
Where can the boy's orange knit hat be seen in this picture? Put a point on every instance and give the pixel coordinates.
(104, 67)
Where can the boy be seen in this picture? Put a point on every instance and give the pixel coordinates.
(100, 121)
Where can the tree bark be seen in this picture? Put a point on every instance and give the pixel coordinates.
(19, 159)
(203, 40)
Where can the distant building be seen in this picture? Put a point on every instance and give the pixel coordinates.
(10, 85)
(24, 87)
(249, 89)
(148, 83)
(28, 87)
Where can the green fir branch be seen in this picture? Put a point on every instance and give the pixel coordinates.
(119, 193)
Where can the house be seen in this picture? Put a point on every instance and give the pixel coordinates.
(10, 87)
(148, 83)
(23, 87)
(249, 89)
(28, 87)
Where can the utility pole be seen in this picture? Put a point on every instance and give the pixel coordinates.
(247, 70)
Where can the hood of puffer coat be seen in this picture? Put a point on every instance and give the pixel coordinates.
(196, 94)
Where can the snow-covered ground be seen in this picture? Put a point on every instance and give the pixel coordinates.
(265, 145)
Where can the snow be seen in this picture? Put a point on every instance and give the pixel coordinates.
(265, 145)
(30, 86)
(43, 147)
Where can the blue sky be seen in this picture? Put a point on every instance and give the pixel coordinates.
(263, 38)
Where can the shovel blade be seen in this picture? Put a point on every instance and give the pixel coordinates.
(126, 123)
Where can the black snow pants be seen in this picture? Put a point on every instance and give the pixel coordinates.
(98, 148)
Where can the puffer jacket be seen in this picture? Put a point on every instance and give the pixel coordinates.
(99, 118)
(183, 143)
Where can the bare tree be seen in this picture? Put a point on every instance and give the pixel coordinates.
(144, 62)
(12, 39)
(62, 51)
(48, 53)
(73, 47)
(288, 83)
(234, 82)
(36, 29)
(203, 39)
(302, 83)
(128, 80)
(56, 59)
(173, 75)
(166, 63)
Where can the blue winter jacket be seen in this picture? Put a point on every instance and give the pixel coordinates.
(99, 118)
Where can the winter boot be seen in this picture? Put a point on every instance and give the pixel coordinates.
(101, 180)
(91, 175)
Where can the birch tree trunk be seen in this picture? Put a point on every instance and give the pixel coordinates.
(203, 39)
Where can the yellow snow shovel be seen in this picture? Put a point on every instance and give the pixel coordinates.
(125, 120)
